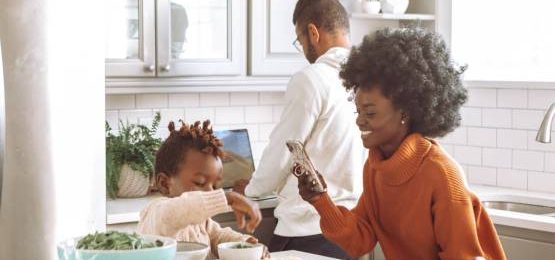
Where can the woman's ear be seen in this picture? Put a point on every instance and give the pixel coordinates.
(163, 183)
(313, 34)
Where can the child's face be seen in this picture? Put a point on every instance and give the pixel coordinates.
(198, 172)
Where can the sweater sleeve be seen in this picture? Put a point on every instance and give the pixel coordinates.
(168, 215)
(343, 226)
(462, 228)
(297, 121)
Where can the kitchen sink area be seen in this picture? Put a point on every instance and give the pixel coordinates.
(520, 207)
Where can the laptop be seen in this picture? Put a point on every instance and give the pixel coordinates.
(237, 161)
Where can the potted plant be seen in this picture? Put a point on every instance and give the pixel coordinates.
(130, 156)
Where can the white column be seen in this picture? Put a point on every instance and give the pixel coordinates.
(53, 183)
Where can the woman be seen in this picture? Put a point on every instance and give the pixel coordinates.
(415, 202)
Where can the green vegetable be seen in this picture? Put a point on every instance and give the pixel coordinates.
(114, 240)
(241, 246)
(135, 145)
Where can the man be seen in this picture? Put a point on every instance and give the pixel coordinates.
(317, 112)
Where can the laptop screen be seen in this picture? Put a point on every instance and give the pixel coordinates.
(237, 160)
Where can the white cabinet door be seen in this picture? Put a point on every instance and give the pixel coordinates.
(201, 38)
(517, 248)
(130, 47)
(271, 39)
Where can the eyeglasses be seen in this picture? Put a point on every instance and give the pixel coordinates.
(297, 45)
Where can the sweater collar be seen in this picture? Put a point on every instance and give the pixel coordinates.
(404, 163)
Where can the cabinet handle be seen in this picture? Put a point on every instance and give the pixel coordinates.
(166, 68)
(150, 68)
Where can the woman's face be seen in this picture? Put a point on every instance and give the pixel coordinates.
(379, 121)
(197, 172)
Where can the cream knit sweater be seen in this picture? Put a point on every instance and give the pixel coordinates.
(187, 218)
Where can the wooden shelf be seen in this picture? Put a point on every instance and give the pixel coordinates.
(421, 17)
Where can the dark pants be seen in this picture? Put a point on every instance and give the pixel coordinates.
(315, 244)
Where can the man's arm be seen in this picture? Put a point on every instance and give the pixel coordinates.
(302, 108)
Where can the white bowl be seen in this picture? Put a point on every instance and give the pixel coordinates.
(371, 7)
(394, 6)
(227, 251)
(191, 251)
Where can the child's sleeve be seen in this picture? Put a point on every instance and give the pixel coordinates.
(167, 216)
(220, 235)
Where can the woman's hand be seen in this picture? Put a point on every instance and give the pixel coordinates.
(307, 186)
(246, 212)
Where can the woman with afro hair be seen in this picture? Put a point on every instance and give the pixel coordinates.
(415, 201)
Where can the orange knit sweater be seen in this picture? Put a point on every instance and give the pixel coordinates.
(416, 205)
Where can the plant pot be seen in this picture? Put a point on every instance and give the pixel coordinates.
(371, 7)
(132, 184)
(394, 6)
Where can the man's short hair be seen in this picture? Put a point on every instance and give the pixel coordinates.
(329, 15)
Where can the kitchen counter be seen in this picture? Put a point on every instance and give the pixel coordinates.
(127, 210)
(121, 211)
(516, 219)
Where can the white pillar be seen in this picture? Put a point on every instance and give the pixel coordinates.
(53, 183)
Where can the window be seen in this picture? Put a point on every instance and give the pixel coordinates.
(505, 40)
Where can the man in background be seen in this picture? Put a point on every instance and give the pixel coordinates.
(317, 112)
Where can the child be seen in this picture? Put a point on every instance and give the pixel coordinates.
(187, 167)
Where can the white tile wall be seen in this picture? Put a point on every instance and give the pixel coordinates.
(468, 155)
(184, 100)
(540, 99)
(214, 99)
(152, 101)
(495, 144)
(257, 112)
(512, 178)
(482, 136)
(230, 115)
(512, 98)
(497, 117)
(482, 175)
(482, 97)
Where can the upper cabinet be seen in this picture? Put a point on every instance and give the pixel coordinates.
(175, 38)
(195, 42)
(434, 15)
(272, 36)
(130, 38)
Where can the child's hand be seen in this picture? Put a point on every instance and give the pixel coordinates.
(244, 208)
(240, 185)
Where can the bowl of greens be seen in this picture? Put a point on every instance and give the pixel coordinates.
(240, 250)
(116, 245)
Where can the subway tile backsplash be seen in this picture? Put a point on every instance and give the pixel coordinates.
(496, 141)
(257, 112)
(495, 144)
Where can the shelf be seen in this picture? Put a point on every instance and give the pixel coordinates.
(421, 17)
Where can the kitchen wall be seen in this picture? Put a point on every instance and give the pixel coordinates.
(495, 144)
(258, 112)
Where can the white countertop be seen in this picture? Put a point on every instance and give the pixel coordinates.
(127, 210)
(516, 219)
(297, 255)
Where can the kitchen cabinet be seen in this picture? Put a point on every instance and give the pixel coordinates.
(175, 38)
(520, 243)
(432, 15)
(272, 34)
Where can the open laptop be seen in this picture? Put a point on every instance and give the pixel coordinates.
(238, 162)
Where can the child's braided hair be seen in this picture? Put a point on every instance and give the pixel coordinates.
(174, 149)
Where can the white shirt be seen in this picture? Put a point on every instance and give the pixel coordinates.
(318, 113)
